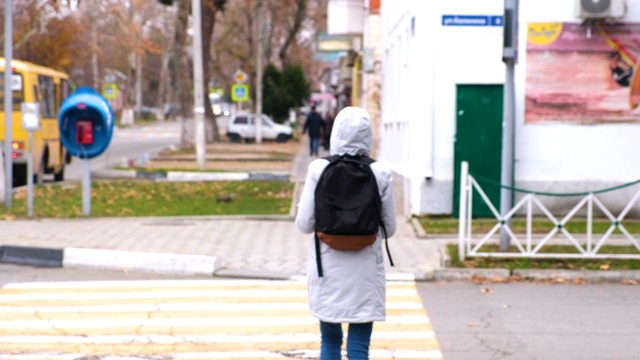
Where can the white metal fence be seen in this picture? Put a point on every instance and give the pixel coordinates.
(588, 245)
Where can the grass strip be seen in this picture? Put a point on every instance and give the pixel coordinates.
(132, 198)
(449, 226)
(538, 263)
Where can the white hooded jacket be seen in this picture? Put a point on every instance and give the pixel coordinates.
(352, 289)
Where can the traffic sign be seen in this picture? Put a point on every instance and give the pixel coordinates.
(240, 76)
(30, 115)
(109, 90)
(240, 92)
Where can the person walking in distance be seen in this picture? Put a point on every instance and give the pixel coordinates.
(347, 286)
(328, 125)
(315, 125)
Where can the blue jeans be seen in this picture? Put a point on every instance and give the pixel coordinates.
(314, 145)
(357, 341)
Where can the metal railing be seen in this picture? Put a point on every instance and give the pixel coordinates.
(588, 246)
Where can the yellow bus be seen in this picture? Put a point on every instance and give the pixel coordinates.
(34, 83)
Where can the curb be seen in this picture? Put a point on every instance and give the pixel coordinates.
(200, 265)
(40, 257)
(155, 263)
(553, 275)
(255, 274)
(189, 175)
(152, 263)
(419, 230)
(469, 274)
(590, 276)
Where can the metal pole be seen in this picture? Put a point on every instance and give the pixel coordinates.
(86, 187)
(365, 41)
(30, 176)
(462, 215)
(94, 46)
(8, 103)
(509, 57)
(198, 110)
(259, 77)
(508, 139)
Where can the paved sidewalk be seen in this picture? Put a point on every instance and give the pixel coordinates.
(244, 246)
(266, 247)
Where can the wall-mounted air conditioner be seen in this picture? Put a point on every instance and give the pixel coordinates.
(601, 9)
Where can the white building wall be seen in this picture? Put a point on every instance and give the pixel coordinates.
(421, 68)
(397, 101)
(371, 80)
(345, 17)
(422, 63)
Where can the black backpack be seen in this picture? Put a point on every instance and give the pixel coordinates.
(347, 206)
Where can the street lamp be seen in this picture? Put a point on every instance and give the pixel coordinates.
(198, 109)
(8, 103)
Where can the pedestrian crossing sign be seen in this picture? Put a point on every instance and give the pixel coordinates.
(240, 92)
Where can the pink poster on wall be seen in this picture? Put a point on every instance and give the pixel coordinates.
(582, 74)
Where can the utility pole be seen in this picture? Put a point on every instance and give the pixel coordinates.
(8, 102)
(198, 110)
(258, 119)
(138, 83)
(94, 47)
(509, 57)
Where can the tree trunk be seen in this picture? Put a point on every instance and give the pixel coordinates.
(179, 72)
(162, 98)
(301, 14)
(209, 11)
(268, 44)
(129, 93)
(128, 113)
(139, 83)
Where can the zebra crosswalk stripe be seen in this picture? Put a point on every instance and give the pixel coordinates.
(181, 319)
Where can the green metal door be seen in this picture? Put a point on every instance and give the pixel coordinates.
(479, 142)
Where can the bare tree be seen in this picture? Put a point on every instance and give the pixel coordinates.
(292, 27)
(209, 10)
(180, 82)
(289, 36)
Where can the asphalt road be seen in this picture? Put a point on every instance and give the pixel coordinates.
(525, 320)
(130, 144)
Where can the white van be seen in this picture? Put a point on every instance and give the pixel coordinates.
(242, 127)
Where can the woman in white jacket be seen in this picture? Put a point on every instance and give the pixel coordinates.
(352, 288)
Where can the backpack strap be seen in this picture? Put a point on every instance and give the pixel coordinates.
(362, 158)
(331, 159)
(386, 243)
(318, 259)
(367, 160)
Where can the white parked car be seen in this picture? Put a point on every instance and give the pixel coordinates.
(242, 127)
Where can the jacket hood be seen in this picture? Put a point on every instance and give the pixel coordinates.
(351, 133)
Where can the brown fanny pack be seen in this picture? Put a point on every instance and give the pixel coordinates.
(347, 242)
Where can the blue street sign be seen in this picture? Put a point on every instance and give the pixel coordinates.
(472, 20)
(496, 20)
